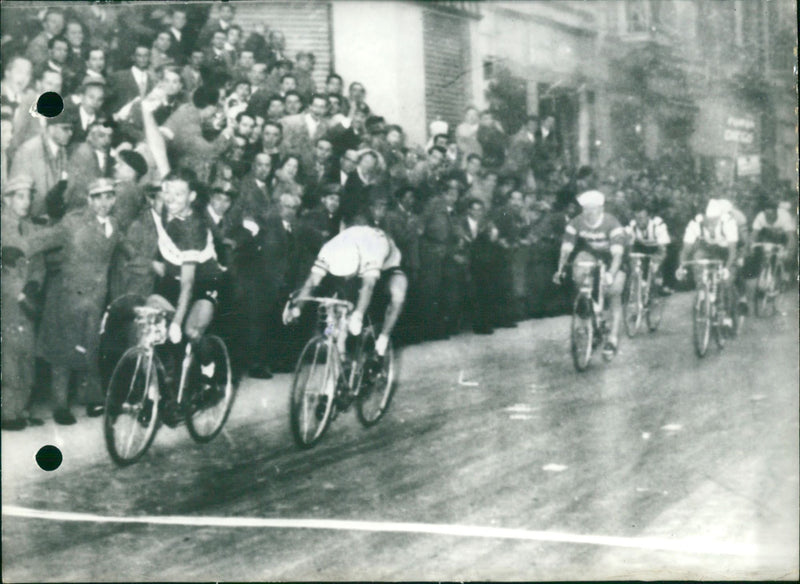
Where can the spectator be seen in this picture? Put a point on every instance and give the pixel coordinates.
(303, 71)
(90, 108)
(44, 158)
(492, 140)
(480, 237)
(221, 23)
(426, 174)
(325, 218)
(277, 47)
(128, 84)
(522, 159)
(14, 92)
(96, 65)
(292, 103)
(348, 133)
(39, 47)
(75, 298)
(286, 175)
(215, 56)
(467, 134)
(180, 43)
(357, 189)
(160, 51)
(6, 137)
(255, 196)
(442, 264)
(89, 161)
(191, 72)
(302, 131)
(57, 53)
(321, 173)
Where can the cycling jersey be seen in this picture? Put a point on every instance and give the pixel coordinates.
(654, 234)
(723, 234)
(187, 240)
(773, 232)
(360, 251)
(600, 239)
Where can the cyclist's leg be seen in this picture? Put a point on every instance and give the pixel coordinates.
(397, 284)
(614, 295)
(197, 321)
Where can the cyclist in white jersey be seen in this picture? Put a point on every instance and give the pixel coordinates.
(649, 234)
(366, 253)
(712, 236)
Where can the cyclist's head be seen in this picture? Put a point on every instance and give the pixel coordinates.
(641, 214)
(591, 203)
(714, 211)
(769, 206)
(179, 190)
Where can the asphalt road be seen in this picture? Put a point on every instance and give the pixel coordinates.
(657, 465)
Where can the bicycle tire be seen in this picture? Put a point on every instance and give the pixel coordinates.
(209, 392)
(632, 308)
(701, 324)
(134, 393)
(655, 312)
(306, 406)
(370, 394)
(582, 332)
(718, 331)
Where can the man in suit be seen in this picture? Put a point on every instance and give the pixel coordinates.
(301, 131)
(480, 236)
(349, 134)
(217, 218)
(521, 150)
(128, 84)
(324, 219)
(403, 226)
(191, 72)
(14, 92)
(359, 185)
(57, 53)
(44, 158)
(181, 42)
(270, 142)
(221, 23)
(442, 263)
(492, 139)
(89, 161)
(255, 198)
(53, 25)
(92, 99)
(319, 174)
(216, 56)
(303, 71)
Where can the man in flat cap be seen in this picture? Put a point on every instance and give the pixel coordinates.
(68, 335)
(90, 160)
(595, 235)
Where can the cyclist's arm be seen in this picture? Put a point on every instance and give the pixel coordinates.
(188, 270)
(616, 259)
(314, 279)
(732, 253)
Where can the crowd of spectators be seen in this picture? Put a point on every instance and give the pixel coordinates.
(281, 164)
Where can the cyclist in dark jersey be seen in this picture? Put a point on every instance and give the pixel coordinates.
(191, 279)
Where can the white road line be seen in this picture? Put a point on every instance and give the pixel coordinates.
(690, 545)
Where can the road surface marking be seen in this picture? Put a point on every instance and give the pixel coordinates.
(694, 545)
(521, 408)
(553, 467)
(671, 427)
(520, 417)
(466, 383)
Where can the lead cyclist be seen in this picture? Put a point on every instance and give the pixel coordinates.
(366, 253)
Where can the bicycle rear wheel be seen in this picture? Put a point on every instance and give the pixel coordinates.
(313, 392)
(209, 391)
(376, 383)
(720, 332)
(131, 410)
(582, 332)
(632, 308)
(701, 324)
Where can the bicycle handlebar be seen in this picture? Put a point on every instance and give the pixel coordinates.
(326, 301)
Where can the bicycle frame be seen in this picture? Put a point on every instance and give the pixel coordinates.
(597, 269)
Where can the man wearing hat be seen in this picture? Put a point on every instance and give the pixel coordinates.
(596, 235)
(68, 334)
(90, 160)
(44, 159)
(713, 236)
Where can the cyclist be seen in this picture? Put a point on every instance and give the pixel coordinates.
(649, 235)
(595, 234)
(712, 236)
(190, 277)
(366, 253)
(771, 225)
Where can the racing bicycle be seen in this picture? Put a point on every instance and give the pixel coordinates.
(589, 326)
(770, 284)
(640, 302)
(332, 374)
(711, 305)
(142, 393)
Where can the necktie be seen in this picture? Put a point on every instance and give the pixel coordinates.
(108, 229)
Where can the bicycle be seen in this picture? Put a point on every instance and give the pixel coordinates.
(770, 284)
(327, 379)
(710, 307)
(140, 388)
(589, 328)
(640, 303)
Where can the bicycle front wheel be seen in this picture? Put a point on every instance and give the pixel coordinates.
(632, 308)
(131, 412)
(701, 324)
(376, 384)
(210, 390)
(313, 390)
(582, 332)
